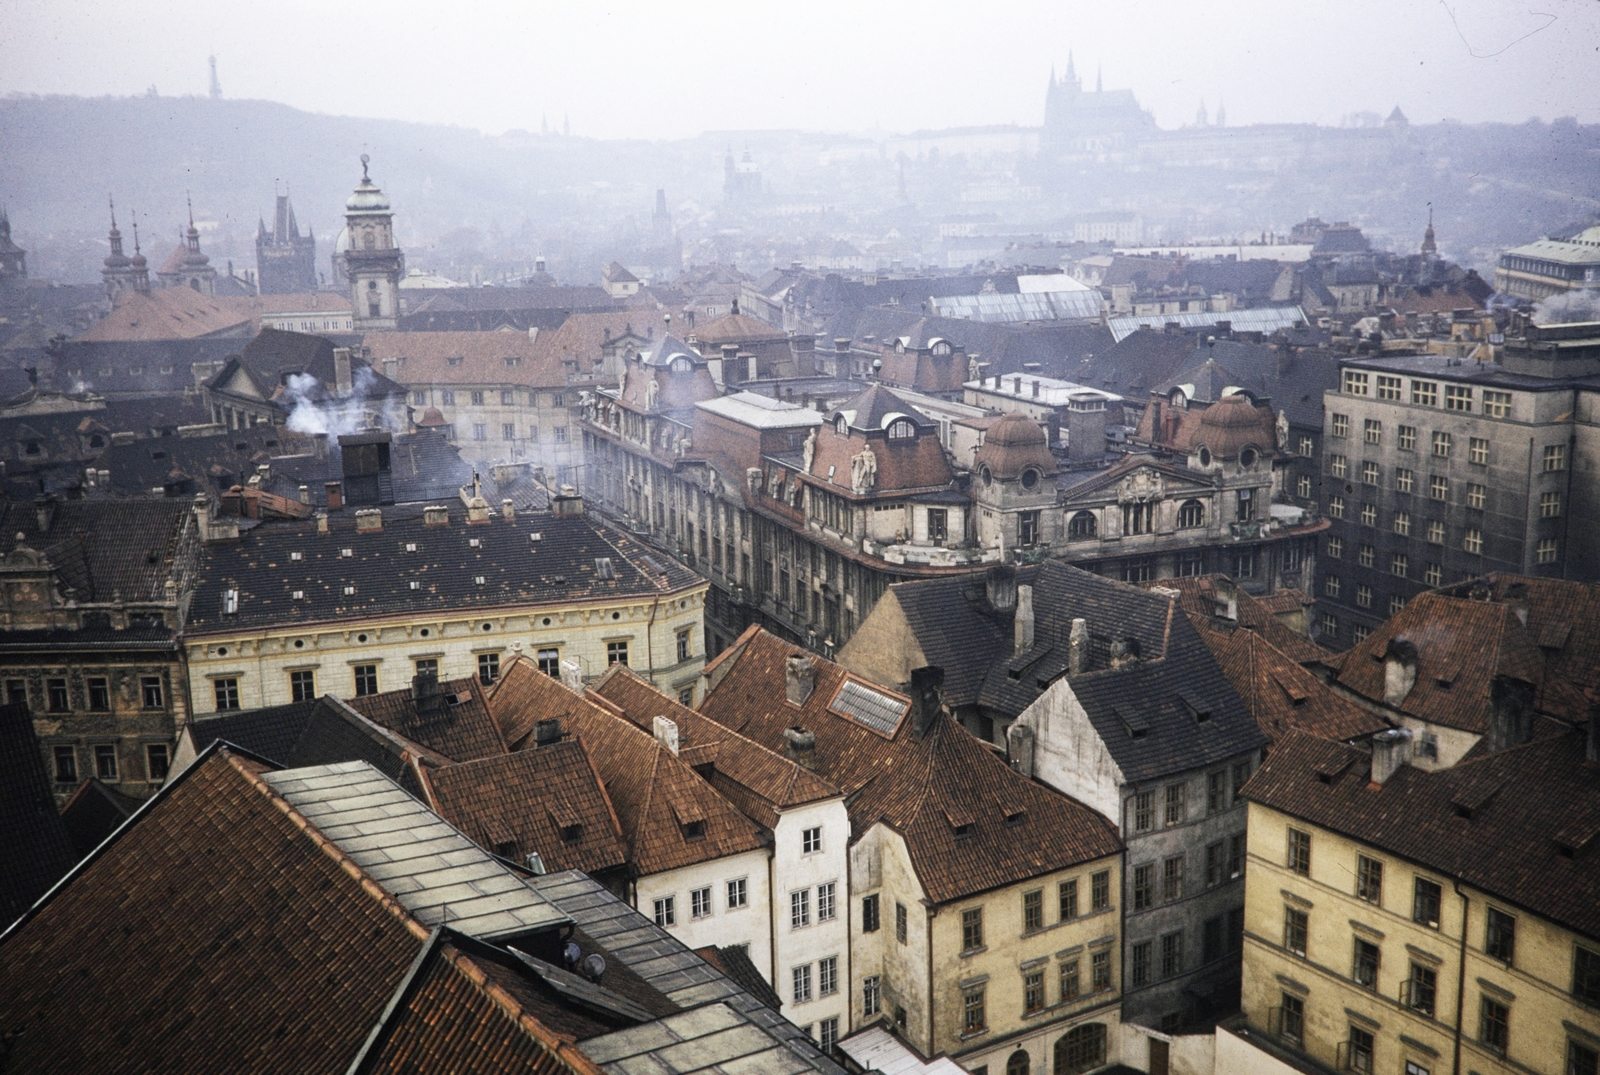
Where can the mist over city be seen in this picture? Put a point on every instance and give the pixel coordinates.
(894, 540)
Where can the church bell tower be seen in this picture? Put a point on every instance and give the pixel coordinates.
(373, 264)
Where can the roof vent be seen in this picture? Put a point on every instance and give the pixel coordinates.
(436, 515)
(594, 966)
(536, 863)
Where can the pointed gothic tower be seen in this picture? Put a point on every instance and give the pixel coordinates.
(1430, 249)
(118, 270)
(373, 263)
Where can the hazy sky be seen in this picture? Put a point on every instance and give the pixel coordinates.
(661, 70)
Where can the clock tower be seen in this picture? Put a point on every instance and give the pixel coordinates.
(373, 264)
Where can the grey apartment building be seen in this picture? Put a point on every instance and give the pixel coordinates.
(1439, 469)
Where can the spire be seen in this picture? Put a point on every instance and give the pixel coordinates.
(115, 236)
(1429, 247)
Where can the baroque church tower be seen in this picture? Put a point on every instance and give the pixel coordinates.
(373, 263)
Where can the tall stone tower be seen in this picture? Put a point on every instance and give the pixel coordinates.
(286, 261)
(118, 271)
(372, 262)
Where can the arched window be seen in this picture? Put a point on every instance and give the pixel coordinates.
(1083, 1048)
(1018, 1063)
(902, 429)
(1191, 515)
(370, 241)
(841, 426)
(1081, 525)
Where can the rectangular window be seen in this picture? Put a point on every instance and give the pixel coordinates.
(1496, 404)
(871, 996)
(1402, 523)
(1308, 447)
(799, 908)
(1335, 547)
(1399, 565)
(1216, 863)
(1177, 809)
(1216, 791)
(1363, 596)
(447, 397)
(1472, 541)
(1355, 383)
(56, 699)
(150, 688)
(1420, 988)
(1581, 1059)
(1441, 445)
(1069, 980)
(938, 525)
(1396, 604)
(1100, 891)
(1292, 1019)
(827, 901)
(1436, 532)
(973, 1019)
(1300, 852)
(700, 903)
(1438, 487)
(303, 686)
(1032, 911)
(1294, 930)
(1369, 515)
(1338, 466)
(1478, 451)
(561, 434)
(1359, 1049)
(508, 431)
(617, 653)
(488, 668)
(1500, 936)
(1585, 975)
(1340, 426)
(1433, 575)
(105, 761)
(1476, 495)
(17, 691)
(1365, 969)
(507, 396)
(419, 399)
(1028, 528)
(1171, 955)
(801, 977)
(1144, 887)
(477, 399)
(685, 645)
(1457, 397)
(549, 660)
(901, 926)
(1033, 992)
(1302, 487)
(99, 694)
(1100, 971)
(972, 929)
(1371, 431)
(1425, 899)
(1172, 879)
(1067, 899)
(227, 692)
(1388, 387)
(366, 676)
(1494, 1025)
(1408, 438)
(1144, 811)
(1141, 962)
(810, 840)
(827, 976)
(869, 914)
(1365, 555)
(666, 911)
(1547, 551)
(480, 431)
(66, 765)
(738, 894)
(1425, 393)
(1404, 480)
(1549, 505)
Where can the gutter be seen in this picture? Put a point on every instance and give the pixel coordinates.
(1461, 975)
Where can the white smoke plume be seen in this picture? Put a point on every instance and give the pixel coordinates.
(1569, 307)
(312, 411)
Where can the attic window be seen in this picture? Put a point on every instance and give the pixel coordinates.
(1463, 811)
(415, 585)
(1197, 708)
(841, 426)
(1015, 819)
(347, 553)
(1132, 723)
(454, 360)
(476, 543)
(230, 602)
(603, 568)
(571, 834)
(694, 830)
(477, 580)
(964, 830)
(411, 546)
(298, 595)
(513, 361)
(902, 430)
(158, 455)
(297, 556)
(349, 591)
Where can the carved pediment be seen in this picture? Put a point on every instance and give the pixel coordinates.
(1141, 486)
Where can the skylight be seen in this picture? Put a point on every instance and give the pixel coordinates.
(879, 711)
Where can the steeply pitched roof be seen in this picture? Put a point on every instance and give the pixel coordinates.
(737, 329)
(545, 799)
(758, 780)
(457, 723)
(1217, 600)
(516, 569)
(94, 812)
(463, 358)
(1499, 822)
(170, 313)
(35, 849)
(923, 787)
(1280, 694)
(670, 817)
(102, 549)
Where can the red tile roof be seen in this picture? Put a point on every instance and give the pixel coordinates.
(1280, 694)
(657, 796)
(492, 358)
(922, 788)
(461, 729)
(172, 313)
(1209, 599)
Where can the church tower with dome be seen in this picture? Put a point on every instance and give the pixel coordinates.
(373, 264)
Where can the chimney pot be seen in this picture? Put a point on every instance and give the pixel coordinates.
(1078, 647)
(800, 746)
(305, 494)
(666, 732)
(799, 675)
(1019, 748)
(341, 371)
(369, 521)
(508, 509)
(335, 492)
(322, 522)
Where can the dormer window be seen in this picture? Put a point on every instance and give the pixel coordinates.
(230, 602)
(454, 360)
(902, 429)
(841, 426)
(694, 830)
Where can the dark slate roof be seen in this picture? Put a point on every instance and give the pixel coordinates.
(1175, 668)
(35, 848)
(673, 969)
(868, 409)
(165, 367)
(93, 813)
(1005, 348)
(1522, 806)
(271, 732)
(517, 570)
(734, 961)
(102, 550)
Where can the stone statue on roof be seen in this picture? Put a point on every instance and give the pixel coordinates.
(651, 391)
(1283, 429)
(863, 470)
(808, 451)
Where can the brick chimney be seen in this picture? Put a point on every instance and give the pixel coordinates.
(1078, 647)
(800, 746)
(335, 493)
(1399, 671)
(341, 371)
(1390, 750)
(665, 729)
(799, 678)
(1022, 625)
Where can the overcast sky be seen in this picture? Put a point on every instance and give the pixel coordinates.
(661, 70)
